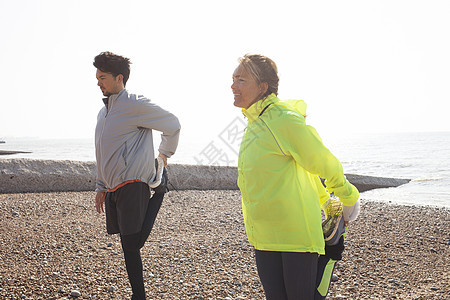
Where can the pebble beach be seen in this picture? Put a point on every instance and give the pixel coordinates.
(55, 246)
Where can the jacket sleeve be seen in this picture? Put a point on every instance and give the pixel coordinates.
(154, 117)
(303, 143)
(100, 186)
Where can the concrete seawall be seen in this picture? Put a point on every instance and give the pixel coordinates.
(29, 175)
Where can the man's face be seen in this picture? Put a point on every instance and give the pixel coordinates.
(109, 84)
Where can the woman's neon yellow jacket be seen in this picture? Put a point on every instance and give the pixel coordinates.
(280, 161)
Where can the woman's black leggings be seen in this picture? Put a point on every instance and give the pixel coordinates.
(132, 243)
(287, 275)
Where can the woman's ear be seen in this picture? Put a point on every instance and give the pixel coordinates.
(263, 86)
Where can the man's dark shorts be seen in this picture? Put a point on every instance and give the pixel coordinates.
(126, 208)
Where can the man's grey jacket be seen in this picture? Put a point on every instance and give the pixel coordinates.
(124, 140)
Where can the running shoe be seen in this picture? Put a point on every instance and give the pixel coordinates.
(333, 226)
(159, 168)
(162, 187)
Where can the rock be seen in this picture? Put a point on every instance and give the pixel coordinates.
(111, 289)
(32, 175)
(109, 244)
(75, 293)
(366, 183)
(10, 152)
(61, 290)
(394, 281)
(334, 278)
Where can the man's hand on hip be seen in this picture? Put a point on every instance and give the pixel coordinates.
(164, 158)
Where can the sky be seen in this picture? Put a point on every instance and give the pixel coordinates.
(361, 66)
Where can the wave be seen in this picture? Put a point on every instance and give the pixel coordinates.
(427, 179)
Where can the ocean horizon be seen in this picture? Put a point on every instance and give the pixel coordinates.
(422, 157)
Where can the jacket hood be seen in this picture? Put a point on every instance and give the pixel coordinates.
(296, 105)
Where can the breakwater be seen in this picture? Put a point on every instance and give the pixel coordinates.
(31, 175)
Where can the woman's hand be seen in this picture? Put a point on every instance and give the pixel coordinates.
(351, 212)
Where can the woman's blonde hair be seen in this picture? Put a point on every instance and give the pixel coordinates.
(262, 69)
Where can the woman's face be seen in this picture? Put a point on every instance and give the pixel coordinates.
(245, 88)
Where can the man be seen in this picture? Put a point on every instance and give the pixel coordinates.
(126, 168)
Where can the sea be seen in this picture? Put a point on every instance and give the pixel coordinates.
(423, 157)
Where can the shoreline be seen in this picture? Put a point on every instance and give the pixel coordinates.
(53, 243)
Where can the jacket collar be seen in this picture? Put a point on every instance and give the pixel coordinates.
(109, 100)
(254, 111)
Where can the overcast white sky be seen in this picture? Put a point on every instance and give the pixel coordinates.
(361, 66)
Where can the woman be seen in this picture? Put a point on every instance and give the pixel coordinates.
(280, 162)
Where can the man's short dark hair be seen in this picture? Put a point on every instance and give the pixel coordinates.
(114, 64)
